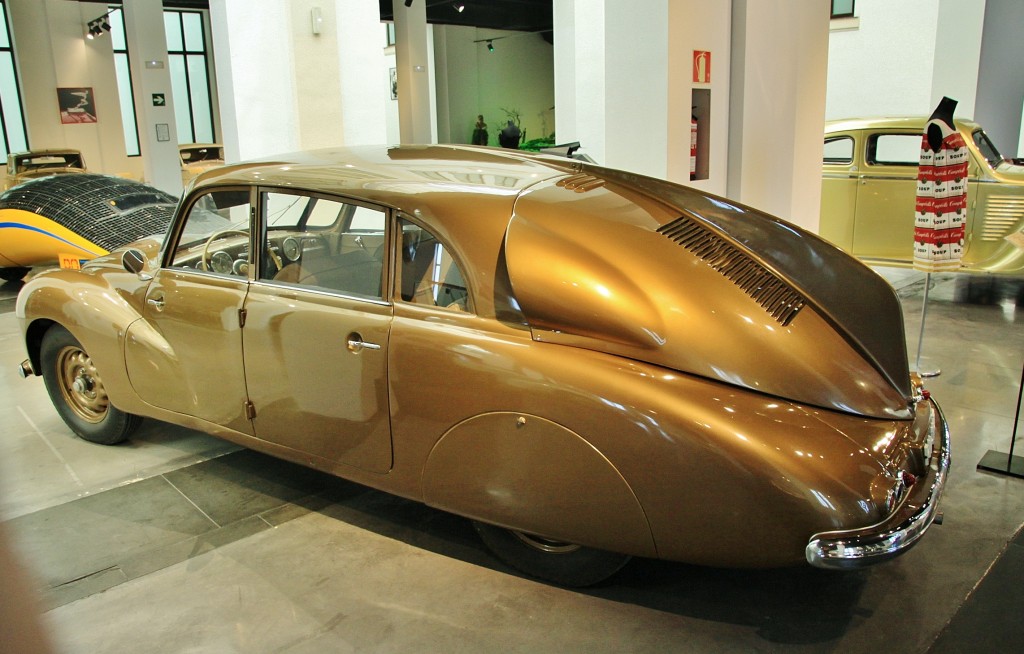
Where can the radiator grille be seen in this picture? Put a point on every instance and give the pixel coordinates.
(779, 299)
(109, 211)
(1002, 214)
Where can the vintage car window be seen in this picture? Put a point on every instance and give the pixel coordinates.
(215, 237)
(313, 241)
(427, 271)
(839, 150)
(894, 149)
(987, 148)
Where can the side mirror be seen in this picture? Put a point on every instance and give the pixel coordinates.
(134, 261)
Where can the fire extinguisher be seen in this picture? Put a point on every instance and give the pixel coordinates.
(693, 146)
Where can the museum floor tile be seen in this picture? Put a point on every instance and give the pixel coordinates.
(179, 542)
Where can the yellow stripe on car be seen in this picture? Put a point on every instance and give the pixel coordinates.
(27, 239)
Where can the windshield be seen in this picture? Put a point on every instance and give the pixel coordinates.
(987, 148)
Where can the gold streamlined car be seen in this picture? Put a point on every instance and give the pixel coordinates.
(23, 166)
(587, 363)
(870, 184)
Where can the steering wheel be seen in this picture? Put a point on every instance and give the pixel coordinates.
(213, 237)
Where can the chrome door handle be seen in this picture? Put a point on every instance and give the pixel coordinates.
(157, 302)
(357, 344)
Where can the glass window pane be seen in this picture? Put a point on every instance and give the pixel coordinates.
(221, 212)
(11, 105)
(124, 92)
(193, 32)
(842, 8)
(5, 41)
(896, 150)
(200, 100)
(179, 90)
(117, 38)
(428, 273)
(839, 151)
(172, 27)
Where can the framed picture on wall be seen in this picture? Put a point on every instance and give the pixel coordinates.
(394, 84)
(76, 106)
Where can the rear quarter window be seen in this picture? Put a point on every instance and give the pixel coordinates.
(894, 149)
(838, 150)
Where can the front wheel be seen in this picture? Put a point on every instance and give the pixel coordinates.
(566, 564)
(77, 392)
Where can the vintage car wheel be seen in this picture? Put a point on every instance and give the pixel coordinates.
(566, 564)
(77, 391)
(13, 274)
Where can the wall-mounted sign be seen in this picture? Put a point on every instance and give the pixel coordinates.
(702, 66)
(159, 100)
(76, 106)
(163, 132)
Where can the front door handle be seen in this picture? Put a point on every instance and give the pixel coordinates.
(157, 302)
(357, 344)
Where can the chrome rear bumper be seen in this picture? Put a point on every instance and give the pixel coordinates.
(857, 548)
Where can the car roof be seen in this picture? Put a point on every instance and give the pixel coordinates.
(891, 122)
(406, 177)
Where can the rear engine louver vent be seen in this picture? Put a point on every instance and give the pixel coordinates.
(580, 183)
(775, 296)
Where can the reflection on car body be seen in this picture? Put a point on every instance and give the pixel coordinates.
(869, 187)
(558, 351)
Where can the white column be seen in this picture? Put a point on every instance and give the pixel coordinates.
(151, 75)
(779, 68)
(414, 69)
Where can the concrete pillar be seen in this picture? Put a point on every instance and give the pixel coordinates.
(1001, 76)
(151, 75)
(413, 61)
(611, 80)
(779, 69)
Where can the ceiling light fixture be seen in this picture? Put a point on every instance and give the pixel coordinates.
(490, 46)
(459, 6)
(408, 3)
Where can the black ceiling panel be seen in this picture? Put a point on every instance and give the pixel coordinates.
(520, 15)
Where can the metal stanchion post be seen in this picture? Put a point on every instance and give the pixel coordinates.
(920, 338)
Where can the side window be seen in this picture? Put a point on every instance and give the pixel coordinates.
(894, 149)
(323, 243)
(839, 150)
(427, 272)
(215, 236)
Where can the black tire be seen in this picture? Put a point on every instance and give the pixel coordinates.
(565, 564)
(77, 392)
(13, 274)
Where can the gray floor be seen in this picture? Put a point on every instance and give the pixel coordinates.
(178, 542)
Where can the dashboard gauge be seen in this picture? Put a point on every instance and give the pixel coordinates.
(240, 267)
(221, 262)
(291, 248)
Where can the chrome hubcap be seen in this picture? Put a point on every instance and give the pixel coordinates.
(546, 544)
(81, 385)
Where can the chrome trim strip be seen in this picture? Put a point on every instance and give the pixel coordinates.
(857, 548)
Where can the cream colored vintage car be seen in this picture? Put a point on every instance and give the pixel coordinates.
(197, 158)
(23, 166)
(589, 364)
(870, 181)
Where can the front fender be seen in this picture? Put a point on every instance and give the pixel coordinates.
(96, 309)
(527, 473)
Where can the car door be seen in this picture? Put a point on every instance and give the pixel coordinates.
(186, 353)
(887, 188)
(839, 189)
(316, 330)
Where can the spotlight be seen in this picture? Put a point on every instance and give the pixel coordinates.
(408, 3)
(490, 47)
(105, 25)
(459, 6)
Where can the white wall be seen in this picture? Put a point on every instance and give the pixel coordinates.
(518, 75)
(903, 57)
(52, 51)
